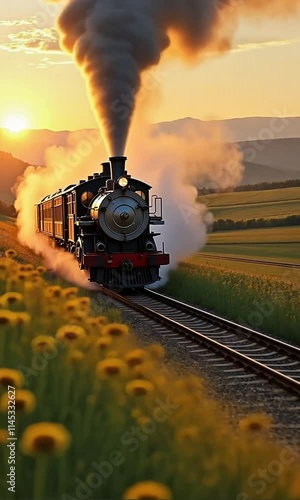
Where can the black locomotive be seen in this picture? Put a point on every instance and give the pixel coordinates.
(105, 222)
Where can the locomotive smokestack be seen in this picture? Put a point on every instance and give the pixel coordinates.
(117, 166)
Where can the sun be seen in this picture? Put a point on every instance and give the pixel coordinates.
(15, 123)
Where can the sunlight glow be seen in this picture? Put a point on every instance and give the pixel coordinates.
(15, 123)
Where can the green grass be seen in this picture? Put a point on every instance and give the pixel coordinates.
(257, 236)
(254, 204)
(259, 269)
(251, 197)
(261, 302)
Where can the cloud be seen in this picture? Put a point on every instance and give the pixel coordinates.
(17, 22)
(39, 40)
(242, 47)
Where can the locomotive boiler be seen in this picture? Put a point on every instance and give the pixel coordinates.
(106, 222)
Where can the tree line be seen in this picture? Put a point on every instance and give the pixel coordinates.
(261, 186)
(231, 225)
(6, 209)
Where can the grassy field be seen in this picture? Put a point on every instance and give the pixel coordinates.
(286, 274)
(251, 197)
(262, 302)
(97, 416)
(9, 239)
(254, 204)
(257, 236)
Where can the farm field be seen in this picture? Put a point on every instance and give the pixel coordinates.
(254, 204)
(260, 301)
(283, 273)
(251, 197)
(257, 236)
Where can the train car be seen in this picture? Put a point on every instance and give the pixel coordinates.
(105, 221)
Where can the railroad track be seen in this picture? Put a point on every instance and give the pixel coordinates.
(248, 354)
(251, 261)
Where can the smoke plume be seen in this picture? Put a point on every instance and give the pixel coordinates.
(114, 41)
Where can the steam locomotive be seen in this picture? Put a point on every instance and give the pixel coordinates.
(105, 222)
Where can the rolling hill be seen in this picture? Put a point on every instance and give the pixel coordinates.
(275, 158)
(10, 169)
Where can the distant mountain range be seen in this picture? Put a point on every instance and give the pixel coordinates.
(271, 146)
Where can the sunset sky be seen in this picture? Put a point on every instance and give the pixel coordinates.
(260, 76)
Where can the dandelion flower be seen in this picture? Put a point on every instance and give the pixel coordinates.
(41, 269)
(103, 342)
(25, 402)
(148, 490)
(28, 268)
(70, 293)
(43, 343)
(70, 333)
(111, 368)
(71, 306)
(10, 254)
(7, 318)
(258, 422)
(45, 438)
(84, 303)
(3, 436)
(54, 292)
(22, 318)
(75, 356)
(135, 357)
(139, 387)
(100, 320)
(187, 434)
(12, 298)
(115, 330)
(156, 350)
(11, 377)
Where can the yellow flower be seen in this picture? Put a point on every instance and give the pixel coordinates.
(70, 293)
(156, 350)
(7, 318)
(111, 368)
(256, 423)
(12, 298)
(22, 276)
(53, 292)
(188, 434)
(100, 320)
(25, 402)
(103, 342)
(11, 377)
(41, 269)
(139, 387)
(71, 306)
(10, 254)
(115, 330)
(43, 343)
(84, 303)
(22, 318)
(28, 268)
(45, 438)
(3, 436)
(70, 333)
(135, 357)
(148, 490)
(75, 356)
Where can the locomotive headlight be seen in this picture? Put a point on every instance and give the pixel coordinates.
(123, 182)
